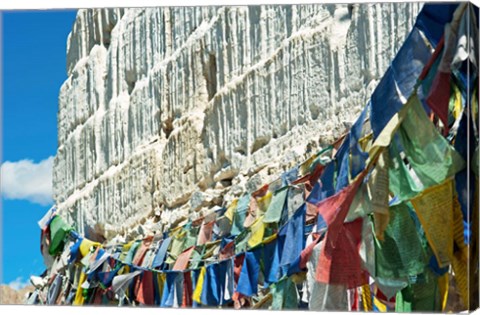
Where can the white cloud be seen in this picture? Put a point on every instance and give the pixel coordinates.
(28, 180)
(18, 284)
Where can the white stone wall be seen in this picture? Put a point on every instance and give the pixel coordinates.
(165, 104)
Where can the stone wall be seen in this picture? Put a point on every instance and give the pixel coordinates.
(168, 112)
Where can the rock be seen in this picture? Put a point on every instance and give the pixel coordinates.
(12, 296)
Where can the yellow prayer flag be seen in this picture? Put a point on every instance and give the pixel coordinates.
(161, 281)
(231, 210)
(474, 105)
(379, 305)
(85, 246)
(305, 166)
(457, 102)
(298, 278)
(443, 287)
(263, 302)
(269, 239)
(385, 137)
(79, 299)
(461, 278)
(434, 207)
(197, 293)
(366, 142)
(264, 202)
(367, 298)
(258, 229)
(127, 246)
(176, 231)
(380, 222)
(458, 234)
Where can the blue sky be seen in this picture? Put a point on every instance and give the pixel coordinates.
(33, 69)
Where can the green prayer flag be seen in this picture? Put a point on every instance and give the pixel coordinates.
(431, 156)
(274, 211)
(131, 252)
(197, 256)
(191, 238)
(361, 205)
(421, 296)
(176, 247)
(401, 253)
(284, 295)
(240, 214)
(241, 241)
(58, 232)
(401, 183)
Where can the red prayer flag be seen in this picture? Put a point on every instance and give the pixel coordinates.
(183, 259)
(342, 264)
(439, 96)
(144, 288)
(205, 233)
(237, 267)
(251, 213)
(334, 209)
(187, 290)
(432, 60)
(260, 192)
(227, 251)
(307, 252)
(97, 300)
(140, 253)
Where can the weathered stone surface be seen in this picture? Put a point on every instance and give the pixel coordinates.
(162, 104)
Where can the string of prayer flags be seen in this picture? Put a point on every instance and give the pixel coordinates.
(454, 54)
(349, 230)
